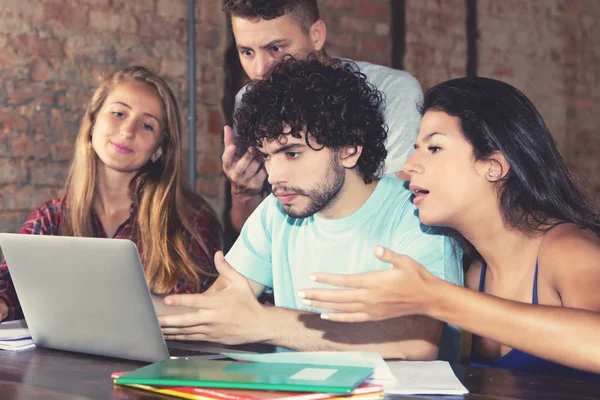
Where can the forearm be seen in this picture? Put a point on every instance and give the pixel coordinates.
(242, 205)
(564, 335)
(411, 338)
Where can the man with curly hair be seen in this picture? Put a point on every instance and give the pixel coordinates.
(264, 31)
(321, 135)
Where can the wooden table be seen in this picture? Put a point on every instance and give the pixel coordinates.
(50, 374)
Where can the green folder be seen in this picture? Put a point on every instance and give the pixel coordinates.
(249, 375)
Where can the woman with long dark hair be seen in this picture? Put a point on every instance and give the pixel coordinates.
(486, 167)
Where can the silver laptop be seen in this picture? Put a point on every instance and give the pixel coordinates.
(89, 295)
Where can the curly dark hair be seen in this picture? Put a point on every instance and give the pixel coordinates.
(333, 102)
(305, 12)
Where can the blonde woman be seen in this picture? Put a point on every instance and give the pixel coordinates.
(126, 182)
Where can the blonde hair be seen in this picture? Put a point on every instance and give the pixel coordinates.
(165, 205)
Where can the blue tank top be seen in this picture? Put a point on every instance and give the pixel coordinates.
(520, 361)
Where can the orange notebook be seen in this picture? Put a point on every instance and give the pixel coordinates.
(363, 392)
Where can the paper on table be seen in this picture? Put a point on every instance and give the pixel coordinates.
(12, 330)
(15, 336)
(422, 377)
(16, 344)
(346, 358)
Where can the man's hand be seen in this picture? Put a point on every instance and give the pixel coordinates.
(404, 289)
(228, 312)
(3, 310)
(246, 172)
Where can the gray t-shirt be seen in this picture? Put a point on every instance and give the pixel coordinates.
(401, 95)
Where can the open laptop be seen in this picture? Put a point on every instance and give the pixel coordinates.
(90, 295)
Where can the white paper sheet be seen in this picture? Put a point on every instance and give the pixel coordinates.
(16, 344)
(12, 330)
(346, 358)
(422, 377)
(15, 336)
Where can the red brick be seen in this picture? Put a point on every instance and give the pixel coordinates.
(24, 197)
(49, 174)
(65, 15)
(140, 56)
(375, 8)
(207, 93)
(142, 6)
(207, 75)
(358, 25)
(107, 21)
(9, 171)
(11, 221)
(209, 166)
(104, 3)
(210, 11)
(341, 4)
(341, 40)
(153, 27)
(12, 123)
(36, 46)
(207, 36)
(215, 121)
(172, 9)
(173, 68)
(375, 45)
(62, 151)
(26, 10)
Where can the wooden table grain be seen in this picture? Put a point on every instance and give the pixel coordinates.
(51, 374)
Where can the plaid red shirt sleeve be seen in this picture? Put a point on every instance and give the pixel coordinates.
(44, 220)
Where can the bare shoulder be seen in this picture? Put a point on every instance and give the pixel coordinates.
(571, 256)
(473, 274)
(567, 242)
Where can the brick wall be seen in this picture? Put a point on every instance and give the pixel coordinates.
(581, 73)
(546, 48)
(52, 53)
(436, 47)
(357, 29)
(521, 43)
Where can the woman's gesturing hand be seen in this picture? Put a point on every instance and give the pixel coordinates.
(404, 289)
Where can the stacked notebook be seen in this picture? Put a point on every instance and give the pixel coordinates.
(233, 380)
(15, 336)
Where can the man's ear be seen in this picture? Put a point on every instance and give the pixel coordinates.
(349, 156)
(318, 34)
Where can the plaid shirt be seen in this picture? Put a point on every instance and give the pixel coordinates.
(47, 219)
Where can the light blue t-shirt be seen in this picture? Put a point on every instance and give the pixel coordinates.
(281, 252)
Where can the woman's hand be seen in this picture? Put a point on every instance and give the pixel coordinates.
(405, 289)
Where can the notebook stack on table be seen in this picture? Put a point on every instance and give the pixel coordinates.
(15, 336)
(234, 380)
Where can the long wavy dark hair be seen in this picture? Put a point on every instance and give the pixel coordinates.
(332, 102)
(538, 192)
